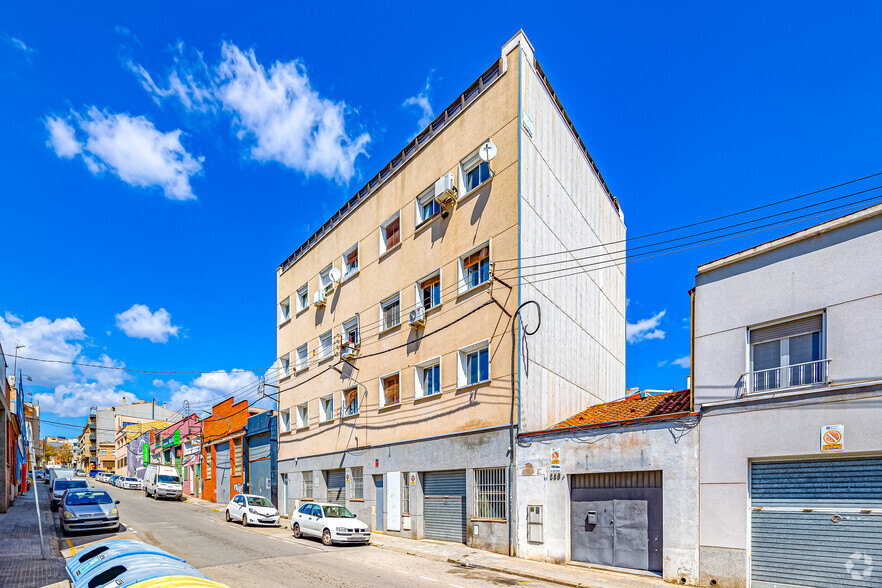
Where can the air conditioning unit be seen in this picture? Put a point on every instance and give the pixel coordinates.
(348, 350)
(417, 317)
(445, 190)
(320, 299)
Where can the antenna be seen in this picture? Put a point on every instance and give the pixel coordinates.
(335, 274)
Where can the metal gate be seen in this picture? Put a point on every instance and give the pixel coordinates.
(816, 523)
(259, 466)
(617, 519)
(444, 506)
(337, 487)
(222, 469)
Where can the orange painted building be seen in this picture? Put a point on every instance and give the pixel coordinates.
(223, 434)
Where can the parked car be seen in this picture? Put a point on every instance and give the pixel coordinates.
(162, 482)
(94, 472)
(80, 473)
(131, 484)
(252, 509)
(57, 472)
(113, 478)
(88, 510)
(121, 482)
(58, 488)
(331, 522)
(40, 476)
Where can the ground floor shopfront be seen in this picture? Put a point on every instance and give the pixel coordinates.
(791, 490)
(452, 488)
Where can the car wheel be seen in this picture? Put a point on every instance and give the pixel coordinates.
(227, 516)
(53, 507)
(296, 530)
(244, 520)
(326, 537)
(146, 494)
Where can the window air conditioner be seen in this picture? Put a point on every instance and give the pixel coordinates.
(348, 350)
(417, 317)
(445, 189)
(320, 299)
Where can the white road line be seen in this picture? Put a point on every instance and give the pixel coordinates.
(454, 586)
(429, 579)
(402, 572)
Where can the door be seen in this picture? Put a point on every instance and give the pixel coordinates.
(617, 519)
(259, 466)
(816, 523)
(378, 488)
(222, 469)
(444, 506)
(314, 521)
(337, 487)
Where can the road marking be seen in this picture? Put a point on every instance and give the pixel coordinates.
(402, 572)
(429, 579)
(73, 550)
(454, 586)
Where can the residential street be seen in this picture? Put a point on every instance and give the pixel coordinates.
(239, 556)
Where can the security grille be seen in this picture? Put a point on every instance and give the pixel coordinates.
(337, 487)
(405, 495)
(444, 505)
(357, 482)
(307, 485)
(490, 493)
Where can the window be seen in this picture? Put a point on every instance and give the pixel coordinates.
(389, 393)
(426, 205)
(325, 281)
(390, 233)
(303, 415)
(787, 354)
(303, 298)
(356, 483)
(103, 452)
(326, 346)
(428, 290)
(285, 310)
(302, 358)
(475, 172)
(285, 365)
(390, 312)
(405, 495)
(427, 378)
(237, 457)
(474, 268)
(307, 486)
(474, 364)
(490, 494)
(285, 420)
(350, 401)
(326, 408)
(208, 463)
(350, 331)
(350, 261)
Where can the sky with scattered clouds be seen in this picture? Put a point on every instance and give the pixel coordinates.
(159, 162)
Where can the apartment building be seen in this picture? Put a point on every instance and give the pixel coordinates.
(788, 377)
(127, 429)
(400, 390)
(103, 426)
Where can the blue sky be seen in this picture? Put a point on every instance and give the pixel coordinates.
(145, 214)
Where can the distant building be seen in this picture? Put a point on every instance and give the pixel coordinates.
(7, 445)
(103, 426)
(126, 431)
(223, 433)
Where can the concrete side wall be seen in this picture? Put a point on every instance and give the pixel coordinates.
(733, 437)
(564, 206)
(831, 272)
(485, 449)
(671, 447)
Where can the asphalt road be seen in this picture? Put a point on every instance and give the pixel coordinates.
(238, 556)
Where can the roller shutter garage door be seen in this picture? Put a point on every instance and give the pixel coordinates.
(337, 487)
(259, 466)
(444, 506)
(816, 523)
(223, 471)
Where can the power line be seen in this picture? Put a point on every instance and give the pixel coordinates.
(126, 369)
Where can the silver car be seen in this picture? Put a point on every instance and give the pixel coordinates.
(59, 485)
(88, 510)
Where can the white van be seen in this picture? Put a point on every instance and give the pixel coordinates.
(162, 482)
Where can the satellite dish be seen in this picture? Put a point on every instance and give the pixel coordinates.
(487, 151)
(335, 274)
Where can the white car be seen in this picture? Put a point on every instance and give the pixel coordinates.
(131, 484)
(331, 522)
(251, 509)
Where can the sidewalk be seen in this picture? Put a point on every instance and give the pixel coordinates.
(565, 575)
(20, 563)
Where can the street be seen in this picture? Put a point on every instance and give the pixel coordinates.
(251, 556)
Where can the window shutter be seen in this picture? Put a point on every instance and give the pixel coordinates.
(390, 386)
(809, 324)
(392, 230)
(352, 257)
(430, 282)
(477, 256)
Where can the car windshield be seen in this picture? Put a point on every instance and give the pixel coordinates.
(169, 480)
(339, 512)
(61, 484)
(83, 497)
(131, 479)
(259, 501)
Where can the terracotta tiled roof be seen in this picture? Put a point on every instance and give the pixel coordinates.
(633, 407)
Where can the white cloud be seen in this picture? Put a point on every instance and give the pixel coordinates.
(421, 101)
(211, 388)
(683, 362)
(20, 45)
(645, 329)
(102, 375)
(275, 111)
(130, 147)
(44, 339)
(76, 398)
(139, 322)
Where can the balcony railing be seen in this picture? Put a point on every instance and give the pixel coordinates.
(799, 375)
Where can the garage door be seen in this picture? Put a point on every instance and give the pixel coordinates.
(816, 523)
(337, 487)
(259, 466)
(222, 469)
(444, 506)
(617, 519)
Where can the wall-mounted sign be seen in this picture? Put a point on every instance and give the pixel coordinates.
(832, 438)
(555, 460)
(316, 480)
(527, 124)
(413, 479)
(145, 449)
